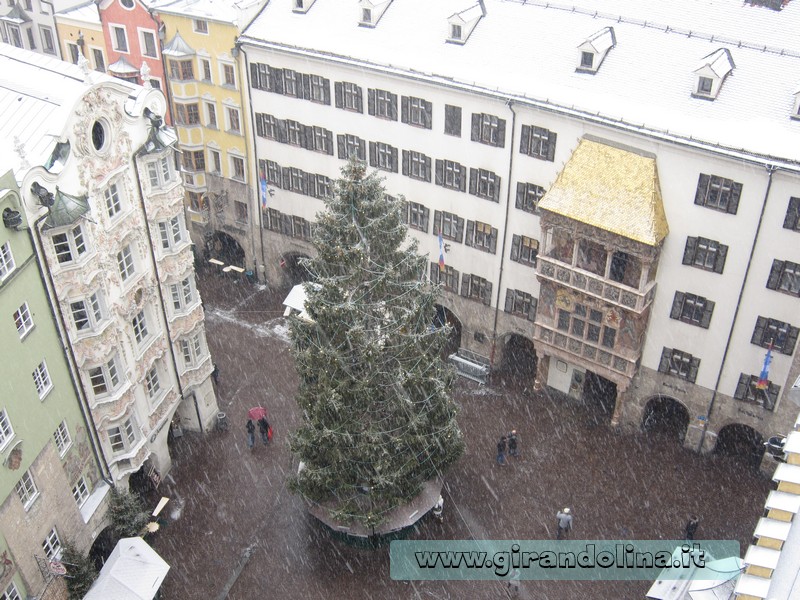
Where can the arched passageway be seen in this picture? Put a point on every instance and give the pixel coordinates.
(519, 360)
(666, 416)
(741, 442)
(225, 249)
(294, 272)
(444, 316)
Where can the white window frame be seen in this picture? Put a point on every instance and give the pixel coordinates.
(7, 264)
(62, 438)
(93, 312)
(200, 26)
(73, 52)
(44, 32)
(152, 383)
(142, 44)
(171, 233)
(104, 379)
(52, 545)
(42, 380)
(30, 35)
(113, 28)
(125, 435)
(26, 490)
(230, 112)
(113, 198)
(205, 62)
(215, 161)
(212, 121)
(316, 85)
(23, 320)
(14, 40)
(183, 294)
(234, 175)
(139, 324)
(6, 430)
(161, 171)
(73, 246)
(11, 593)
(192, 350)
(95, 52)
(126, 264)
(80, 491)
(223, 77)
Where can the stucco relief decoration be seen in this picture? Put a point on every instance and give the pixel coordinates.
(115, 412)
(14, 459)
(564, 300)
(135, 299)
(97, 349)
(174, 267)
(167, 404)
(152, 354)
(184, 324)
(613, 318)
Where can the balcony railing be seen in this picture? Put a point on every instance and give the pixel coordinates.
(605, 289)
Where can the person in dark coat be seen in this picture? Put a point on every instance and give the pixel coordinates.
(263, 428)
(512, 444)
(215, 374)
(251, 434)
(501, 452)
(691, 527)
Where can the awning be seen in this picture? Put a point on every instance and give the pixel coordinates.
(178, 48)
(613, 188)
(134, 571)
(122, 67)
(16, 15)
(66, 210)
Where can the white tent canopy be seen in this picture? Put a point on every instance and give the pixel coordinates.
(134, 571)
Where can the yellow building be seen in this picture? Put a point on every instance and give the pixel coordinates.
(208, 93)
(80, 32)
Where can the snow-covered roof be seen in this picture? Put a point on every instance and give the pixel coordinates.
(178, 48)
(134, 571)
(223, 11)
(526, 52)
(85, 13)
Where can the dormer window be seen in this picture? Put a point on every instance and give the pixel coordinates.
(302, 6)
(464, 22)
(366, 16)
(372, 11)
(711, 73)
(455, 32)
(594, 49)
(796, 111)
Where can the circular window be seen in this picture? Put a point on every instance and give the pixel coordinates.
(98, 136)
(126, 3)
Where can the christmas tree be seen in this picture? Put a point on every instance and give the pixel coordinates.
(378, 418)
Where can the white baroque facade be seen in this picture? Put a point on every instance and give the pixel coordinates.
(98, 173)
(617, 190)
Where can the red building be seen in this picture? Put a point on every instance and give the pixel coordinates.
(132, 43)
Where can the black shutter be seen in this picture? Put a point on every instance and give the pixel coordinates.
(283, 130)
(470, 240)
(465, 284)
(394, 158)
(307, 139)
(758, 332)
(705, 321)
(663, 364)
(434, 272)
(359, 99)
(775, 274)
(452, 120)
(459, 230)
(437, 222)
(497, 183)
(404, 102)
(486, 294)
(792, 214)
(509, 307)
(371, 101)
(276, 80)
(772, 394)
(326, 91)
(473, 182)
(532, 310)
(521, 189)
(493, 241)
(305, 88)
(501, 133)
(338, 94)
(425, 217)
(733, 202)
(254, 80)
(525, 139)
(405, 210)
(791, 340)
(306, 181)
(741, 387)
(362, 149)
(373, 154)
(393, 106)
(694, 366)
(516, 243)
(690, 250)
(702, 189)
(439, 180)
(463, 177)
(286, 179)
(719, 263)
(551, 145)
(427, 114)
(406, 161)
(340, 147)
(427, 162)
(677, 306)
(329, 140)
(475, 134)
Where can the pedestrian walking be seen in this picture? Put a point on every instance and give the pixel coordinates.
(215, 374)
(691, 527)
(251, 434)
(512, 444)
(564, 519)
(438, 509)
(263, 428)
(501, 452)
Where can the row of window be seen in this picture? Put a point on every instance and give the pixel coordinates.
(472, 286)
(586, 323)
(296, 180)
(194, 161)
(14, 37)
(290, 225)
(188, 114)
(183, 70)
(291, 132)
(290, 83)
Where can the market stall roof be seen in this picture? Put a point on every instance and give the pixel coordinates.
(134, 571)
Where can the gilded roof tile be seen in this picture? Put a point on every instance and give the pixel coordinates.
(613, 188)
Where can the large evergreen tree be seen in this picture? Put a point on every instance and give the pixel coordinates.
(379, 420)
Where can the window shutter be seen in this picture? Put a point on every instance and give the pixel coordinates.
(425, 217)
(733, 202)
(283, 130)
(722, 253)
(702, 189)
(362, 149)
(525, 139)
(427, 114)
(790, 341)
(663, 365)
(394, 158)
(493, 241)
(501, 133)
(497, 182)
(772, 394)
(286, 178)
(434, 273)
(475, 135)
(551, 146)
(741, 387)
(705, 321)
(405, 210)
(437, 222)
(486, 295)
(694, 366)
(470, 240)
(460, 230)
(677, 306)
(452, 120)
(404, 109)
(439, 180)
(338, 93)
(373, 154)
(406, 161)
(792, 214)
(428, 169)
(465, 284)
(326, 91)
(306, 182)
(690, 250)
(509, 306)
(462, 171)
(254, 80)
(393, 106)
(306, 86)
(371, 101)
(775, 274)
(532, 310)
(758, 332)
(329, 140)
(521, 188)
(516, 242)
(307, 140)
(276, 80)
(473, 182)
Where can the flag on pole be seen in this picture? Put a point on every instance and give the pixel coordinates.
(263, 187)
(441, 252)
(763, 379)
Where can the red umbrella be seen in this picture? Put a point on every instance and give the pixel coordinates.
(256, 413)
